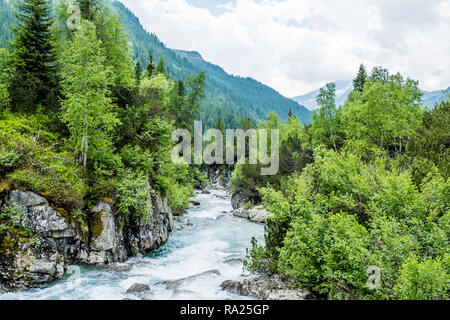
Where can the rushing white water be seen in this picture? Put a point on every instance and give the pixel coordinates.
(205, 239)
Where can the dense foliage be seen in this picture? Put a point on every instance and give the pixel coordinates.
(96, 129)
(226, 96)
(368, 216)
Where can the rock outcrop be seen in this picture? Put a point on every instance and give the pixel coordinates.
(266, 287)
(238, 199)
(58, 242)
(256, 214)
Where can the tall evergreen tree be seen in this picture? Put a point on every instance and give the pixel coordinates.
(160, 67)
(89, 8)
(34, 59)
(138, 72)
(150, 64)
(361, 79)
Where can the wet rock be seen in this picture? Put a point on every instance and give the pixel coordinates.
(267, 287)
(138, 288)
(206, 191)
(234, 261)
(234, 287)
(238, 199)
(195, 202)
(120, 267)
(241, 213)
(175, 284)
(256, 214)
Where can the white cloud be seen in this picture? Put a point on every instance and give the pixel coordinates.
(295, 46)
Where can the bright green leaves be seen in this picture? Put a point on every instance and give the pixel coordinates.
(87, 109)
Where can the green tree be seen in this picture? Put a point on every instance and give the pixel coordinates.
(138, 72)
(361, 79)
(151, 64)
(89, 8)
(34, 59)
(196, 92)
(87, 108)
(5, 77)
(160, 67)
(324, 126)
(385, 115)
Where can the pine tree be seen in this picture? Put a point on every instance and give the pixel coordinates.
(138, 72)
(160, 67)
(290, 113)
(150, 65)
(87, 108)
(361, 79)
(89, 8)
(34, 59)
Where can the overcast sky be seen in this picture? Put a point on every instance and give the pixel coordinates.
(296, 46)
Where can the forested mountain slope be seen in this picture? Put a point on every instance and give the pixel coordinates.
(227, 96)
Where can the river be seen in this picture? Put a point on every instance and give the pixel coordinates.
(207, 239)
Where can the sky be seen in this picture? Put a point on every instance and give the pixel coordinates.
(296, 46)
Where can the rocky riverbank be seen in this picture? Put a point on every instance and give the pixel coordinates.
(267, 287)
(59, 241)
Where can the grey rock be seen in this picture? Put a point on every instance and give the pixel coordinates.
(138, 288)
(206, 191)
(27, 199)
(175, 284)
(195, 202)
(258, 214)
(240, 213)
(238, 199)
(40, 217)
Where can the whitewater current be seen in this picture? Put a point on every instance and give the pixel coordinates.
(206, 248)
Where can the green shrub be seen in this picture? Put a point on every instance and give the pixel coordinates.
(133, 195)
(423, 280)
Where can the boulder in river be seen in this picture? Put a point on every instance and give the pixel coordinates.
(138, 288)
(266, 287)
(256, 214)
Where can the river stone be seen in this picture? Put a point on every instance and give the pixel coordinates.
(258, 214)
(241, 213)
(195, 202)
(234, 287)
(138, 288)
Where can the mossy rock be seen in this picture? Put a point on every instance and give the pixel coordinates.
(5, 186)
(96, 225)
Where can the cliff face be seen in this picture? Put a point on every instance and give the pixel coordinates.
(58, 242)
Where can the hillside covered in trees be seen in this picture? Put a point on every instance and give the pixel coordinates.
(227, 97)
(361, 205)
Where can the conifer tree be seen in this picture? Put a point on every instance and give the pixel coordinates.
(89, 8)
(160, 67)
(361, 79)
(150, 65)
(34, 59)
(138, 72)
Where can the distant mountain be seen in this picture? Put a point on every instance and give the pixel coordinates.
(264, 98)
(431, 98)
(344, 87)
(227, 96)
